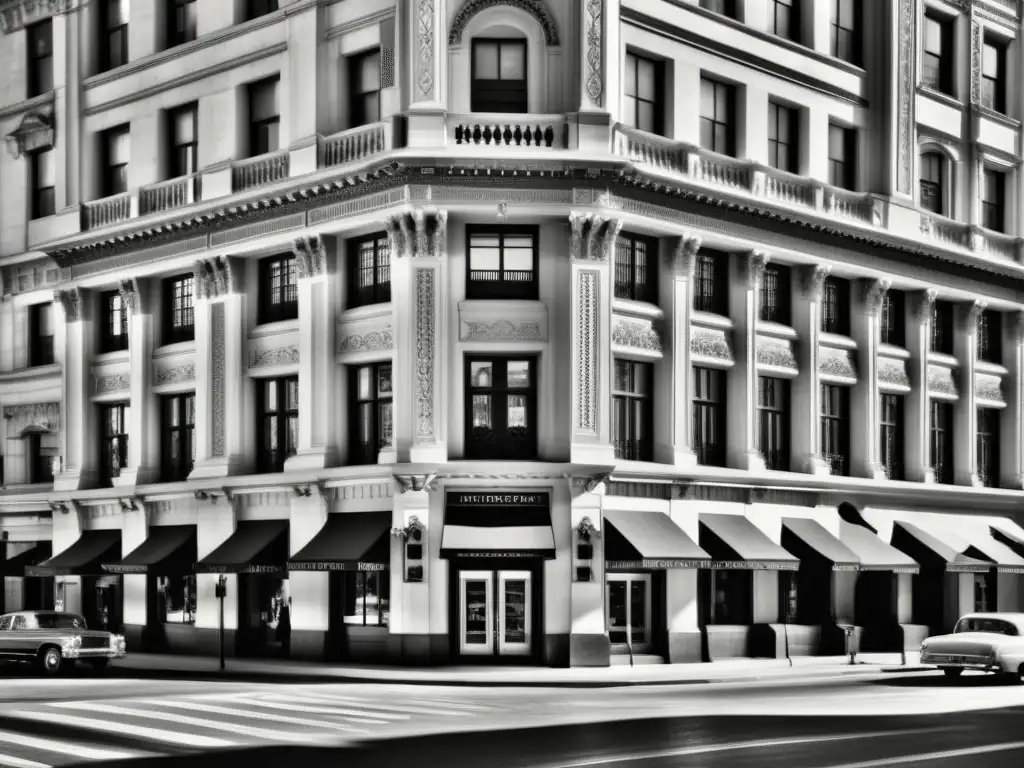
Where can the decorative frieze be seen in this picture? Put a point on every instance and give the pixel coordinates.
(215, 277)
(500, 331)
(111, 383)
(776, 353)
(18, 14)
(310, 256)
(594, 21)
(989, 388)
(941, 382)
(41, 416)
(976, 53)
(633, 333)
(419, 233)
(893, 372)
(712, 343)
(589, 299)
(268, 358)
(593, 236)
(71, 302)
(536, 8)
(425, 49)
(372, 341)
(836, 363)
(906, 93)
(175, 375)
(425, 353)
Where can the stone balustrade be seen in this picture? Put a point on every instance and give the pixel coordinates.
(507, 130)
(168, 195)
(109, 210)
(355, 144)
(260, 170)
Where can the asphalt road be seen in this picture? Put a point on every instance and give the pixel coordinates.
(867, 722)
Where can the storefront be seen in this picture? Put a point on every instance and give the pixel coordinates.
(354, 548)
(30, 593)
(257, 552)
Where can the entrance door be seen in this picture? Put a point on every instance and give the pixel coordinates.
(628, 607)
(494, 613)
(476, 613)
(514, 613)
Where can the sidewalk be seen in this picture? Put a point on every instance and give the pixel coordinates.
(726, 671)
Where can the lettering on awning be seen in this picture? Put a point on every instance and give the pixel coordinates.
(655, 565)
(472, 499)
(329, 565)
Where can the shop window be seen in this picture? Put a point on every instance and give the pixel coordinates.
(636, 268)
(114, 326)
(942, 441)
(985, 592)
(937, 56)
(498, 72)
(709, 398)
(367, 598)
(942, 327)
(370, 278)
(179, 309)
(773, 421)
(178, 426)
(113, 47)
(643, 89)
(891, 438)
(835, 306)
(177, 595)
(264, 117)
(40, 323)
(114, 437)
(789, 603)
(717, 117)
(279, 289)
(501, 408)
(364, 87)
(502, 263)
(990, 336)
(628, 607)
(988, 447)
(783, 138)
(842, 156)
(774, 306)
(711, 282)
(893, 321)
(633, 411)
(373, 418)
(278, 406)
(835, 428)
(729, 597)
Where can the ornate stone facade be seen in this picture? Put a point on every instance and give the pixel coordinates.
(114, 382)
(368, 342)
(536, 8)
(589, 300)
(218, 380)
(214, 278)
(268, 358)
(425, 354)
(175, 375)
(39, 416)
(310, 256)
(500, 330)
(905, 95)
(594, 24)
(18, 14)
(710, 343)
(425, 49)
(635, 334)
(593, 236)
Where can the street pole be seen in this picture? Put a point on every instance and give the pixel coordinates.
(222, 591)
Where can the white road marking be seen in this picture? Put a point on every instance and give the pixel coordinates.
(20, 762)
(380, 709)
(232, 712)
(345, 713)
(360, 701)
(182, 738)
(925, 757)
(64, 747)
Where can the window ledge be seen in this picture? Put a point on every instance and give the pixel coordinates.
(108, 358)
(890, 350)
(997, 117)
(33, 372)
(995, 369)
(175, 348)
(711, 320)
(637, 308)
(945, 98)
(837, 340)
(274, 328)
(941, 358)
(778, 330)
(367, 312)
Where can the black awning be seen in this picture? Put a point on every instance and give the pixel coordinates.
(931, 546)
(735, 543)
(498, 525)
(169, 550)
(256, 546)
(875, 554)
(38, 553)
(810, 541)
(353, 541)
(83, 558)
(648, 540)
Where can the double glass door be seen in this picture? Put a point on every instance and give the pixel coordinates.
(494, 613)
(628, 603)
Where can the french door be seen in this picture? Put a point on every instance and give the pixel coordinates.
(628, 612)
(495, 613)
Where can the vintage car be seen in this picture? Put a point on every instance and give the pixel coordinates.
(55, 640)
(986, 642)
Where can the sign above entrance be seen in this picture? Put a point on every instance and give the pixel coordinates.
(497, 525)
(477, 499)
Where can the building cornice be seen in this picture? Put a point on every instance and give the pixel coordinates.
(15, 15)
(28, 105)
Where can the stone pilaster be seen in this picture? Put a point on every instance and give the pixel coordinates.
(600, 69)
(865, 403)
(75, 347)
(135, 522)
(302, 80)
(317, 365)
(901, 21)
(417, 635)
(917, 438)
(588, 636)
(142, 421)
(805, 396)
(309, 590)
(1011, 436)
(746, 273)
(965, 410)
(424, 29)
(217, 520)
(591, 241)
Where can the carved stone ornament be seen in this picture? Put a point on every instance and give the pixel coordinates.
(594, 21)
(501, 330)
(683, 257)
(891, 371)
(814, 277)
(35, 133)
(19, 14)
(408, 483)
(635, 334)
(425, 352)
(906, 93)
(418, 233)
(215, 277)
(369, 342)
(970, 314)
(757, 262)
(976, 37)
(925, 302)
(425, 48)
(175, 375)
(874, 292)
(536, 8)
(115, 382)
(588, 301)
(593, 236)
(218, 377)
(310, 256)
(131, 296)
(272, 357)
(38, 417)
(71, 302)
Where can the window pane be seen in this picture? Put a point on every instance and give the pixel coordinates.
(629, 79)
(513, 62)
(117, 13)
(645, 120)
(481, 374)
(270, 396)
(516, 411)
(118, 147)
(386, 426)
(485, 61)
(518, 374)
(990, 61)
(292, 386)
(518, 259)
(263, 101)
(369, 73)
(364, 383)
(482, 411)
(384, 380)
(484, 259)
(45, 169)
(184, 126)
(646, 73)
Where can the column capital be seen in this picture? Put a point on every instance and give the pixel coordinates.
(925, 301)
(311, 256)
(71, 302)
(682, 258)
(131, 296)
(873, 293)
(813, 279)
(593, 236)
(756, 263)
(970, 313)
(421, 232)
(215, 277)
(416, 483)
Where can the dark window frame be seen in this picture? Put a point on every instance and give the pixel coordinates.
(722, 94)
(113, 48)
(993, 85)
(891, 435)
(360, 109)
(631, 90)
(40, 57)
(941, 436)
(184, 155)
(636, 268)
(256, 8)
(937, 65)
(43, 198)
(835, 306)
(114, 327)
(352, 580)
(179, 309)
(271, 459)
(835, 428)
(711, 282)
(633, 428)
(842, 172)
(115, 177)
(774, 303)
(932, 182)
(41, 349)
(710, 399)
(993, 206)
(499, 96)
(40, 466)
(368, 434)
(278, 289)
(783, 137)
(260, 144)
(722, 7)
(502, 445)
(113, 441)
(773, 422)
(183, 432)
(502, 287)
(369, 282)
(942, 328)
(990, 336)
(784, 19)
(737, 590)
(846, 43)
(182, 22)
(892, 319)
(987, 447)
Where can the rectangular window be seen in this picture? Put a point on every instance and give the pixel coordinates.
(264, 117)
(773, 421)
(846, 43)
(783, 138)
(40, 58)
(177, 598)
(990, 336)
(178, 449)
(789, 602)
(893, 322)
(278, 408)
(988, 447)
(44, 183)
(116, 156)
(717, 116)
(114, 436)
(775, 295)
(257, 8)
(993, 201)
(184, 142)
(113, 46)
(501, 408)
(993, 75)
(41, 448)
(842, 154)
(729, 597)
(784, 19)
(179, 309)
(502, 263)
(937, 56)
(724, 7)
(709, 397)
(364, 87)
(636, 268)
(711, 282)
(942, 327)
(279, 289)
(835, 428)
(891, 437)
(835, 306)
(40, 323)
(932, 183)
(985, 592)
(114, 327)
(632, 411)
(373, 417)
(942, 441)
(370, 281)
(366, 596)
(643, 90)
(498, 73)
(181, 21)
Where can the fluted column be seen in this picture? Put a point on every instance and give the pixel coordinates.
(865, 403)
(673, 435)
(918, 424)
(78, 421)
(1011, 436)
(806, 389)
(425, 54)
(965, 410)
(747, 271)
(142, 459)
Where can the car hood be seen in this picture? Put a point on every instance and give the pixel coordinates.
(964, 643)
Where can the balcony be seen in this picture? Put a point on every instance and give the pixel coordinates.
(260, 170)
(355, 144)
(633, 450)
(110, 210)
(984, 242)
(168, 195)
(508, 130)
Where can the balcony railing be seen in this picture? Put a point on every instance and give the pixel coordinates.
(109, 210)
(355, 144)
(168, 195)
(710, 454)
(509, 130)
(501, 284)
(836, 464)
(633, 450)
(775, 458)
(257, 171)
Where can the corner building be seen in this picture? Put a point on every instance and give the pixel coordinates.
(553, 332)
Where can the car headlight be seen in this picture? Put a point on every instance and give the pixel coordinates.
(72, 643)
(118, 642)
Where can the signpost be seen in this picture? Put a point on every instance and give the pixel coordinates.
(222, 592)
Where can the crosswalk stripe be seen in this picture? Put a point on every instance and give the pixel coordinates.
(19, 762)
(128, 729)
(232, 712)
(431, 707)
(370, 711)
(64, 747)
(286, 707)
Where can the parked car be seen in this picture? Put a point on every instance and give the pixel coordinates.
(53, 640)
(986, 642)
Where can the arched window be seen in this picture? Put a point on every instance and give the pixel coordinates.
(933, 182)
(498, 75)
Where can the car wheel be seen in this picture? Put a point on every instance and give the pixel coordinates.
(99, 664)
(50, 660)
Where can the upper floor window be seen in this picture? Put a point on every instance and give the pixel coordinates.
(942, 441)
(933, 182)
(184, 141)
(40, 450)
(990, 337)
(846, 43)
(893, 322)
(937, 56)
(373, 420)
(988, 447)
(842, 154)
(113, 46)
(257, 8)
(114, 328)
(993, 75)
(44, 183)
(773, 421)
(114, 440)
(636, 268)
(709, 397)
(40, 58)
(783, 138)
(774, 306)
(835, 428)
(724, 7)
(891, 437)
(942, 327)
(278, 428)
(502, 263)
(116, 156)
(370, 281)
(40, 324)
(784, 18)
(498, 75)
(364, 87)
(711, 282)
(264, 117)
(501, 408)
(717, 116)
(993, 200)
(181, 21)
(642, 91)
(178, 449)
(279, 289)
(835, 306)
(632, 411)
(179, 309)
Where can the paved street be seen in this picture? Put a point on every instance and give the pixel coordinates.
(877, 720)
